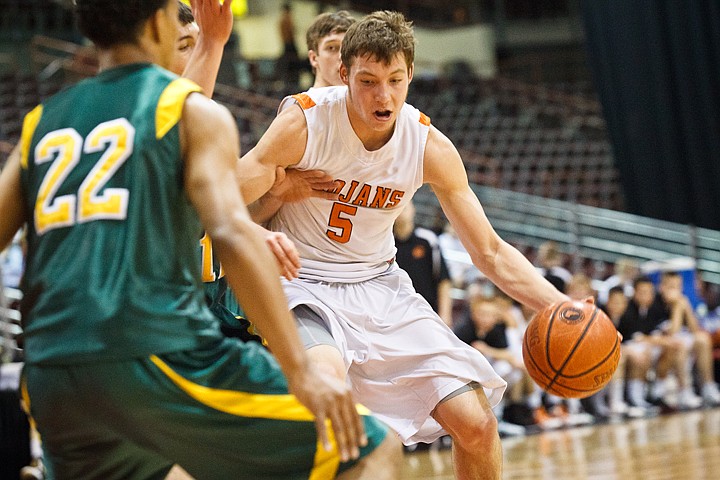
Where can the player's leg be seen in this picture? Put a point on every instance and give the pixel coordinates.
(384, 462)
(322, 349)
(79, 441)
(468, 418)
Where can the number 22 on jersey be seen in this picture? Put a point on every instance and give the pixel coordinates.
(115, 139)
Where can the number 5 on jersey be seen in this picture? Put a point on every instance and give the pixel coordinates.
(340, 223)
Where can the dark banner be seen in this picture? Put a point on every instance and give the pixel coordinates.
(656, 66)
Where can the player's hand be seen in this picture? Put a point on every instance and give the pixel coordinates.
(285, 253)
(293, 185)
(214, 19)
(330, 399)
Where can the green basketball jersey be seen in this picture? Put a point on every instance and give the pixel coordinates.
(112, 269)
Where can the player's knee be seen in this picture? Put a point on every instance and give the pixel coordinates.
(477, 432)
(703, 340)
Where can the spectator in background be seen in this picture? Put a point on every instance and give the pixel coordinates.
(640, 328)
(634, 360)
(288, 63)
(696, 342)
(484, 328)
(418, 253)
(626, 271)
(462, 271)
(550, 260)
(12, 263)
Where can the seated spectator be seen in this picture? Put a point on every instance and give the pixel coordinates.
(550, 260)
(637, 360)
(684, 325)
(485, 328)
(626, 271)
(640, 328)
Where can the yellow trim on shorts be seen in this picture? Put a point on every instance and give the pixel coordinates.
(25, 404)
(258, 405)
(30, 123)
(171, 103)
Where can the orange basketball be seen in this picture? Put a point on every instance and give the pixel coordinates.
(571, 349)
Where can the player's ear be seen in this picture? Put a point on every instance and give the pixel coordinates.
(410, 72)
(312, 57)
(344, 74)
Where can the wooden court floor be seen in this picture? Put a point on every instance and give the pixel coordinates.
(680, 446)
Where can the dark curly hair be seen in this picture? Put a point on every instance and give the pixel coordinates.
(108, 23)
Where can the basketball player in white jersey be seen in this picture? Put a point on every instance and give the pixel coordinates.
(357, 311)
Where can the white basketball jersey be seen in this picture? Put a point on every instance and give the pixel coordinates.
(350, 239)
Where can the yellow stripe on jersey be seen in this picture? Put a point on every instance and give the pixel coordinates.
(30, 123)
(170, 104)
(424, 119)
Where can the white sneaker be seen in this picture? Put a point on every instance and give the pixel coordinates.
(711, 395)
(618, 408)
(687, 400)
(578, 419)
(637, 412)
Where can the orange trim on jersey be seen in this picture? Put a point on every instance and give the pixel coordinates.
(304, 100)
(424, 119)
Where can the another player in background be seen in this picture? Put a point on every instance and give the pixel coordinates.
(115, 177)
(324, 39)
(209, 27)
(357, 310)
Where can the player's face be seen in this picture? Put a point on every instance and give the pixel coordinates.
(184, 45)
(167, 30)
(326, 61)
(376, 93)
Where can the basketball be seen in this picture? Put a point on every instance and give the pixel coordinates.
(571, 349)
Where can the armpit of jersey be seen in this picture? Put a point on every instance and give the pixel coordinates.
(170, 104)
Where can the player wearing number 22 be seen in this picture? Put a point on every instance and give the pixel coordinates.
(126, 370)
(357, 311)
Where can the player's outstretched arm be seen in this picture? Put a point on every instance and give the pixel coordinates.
(499, 261)
(215, 21)
(11, 205)
(250, 269)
